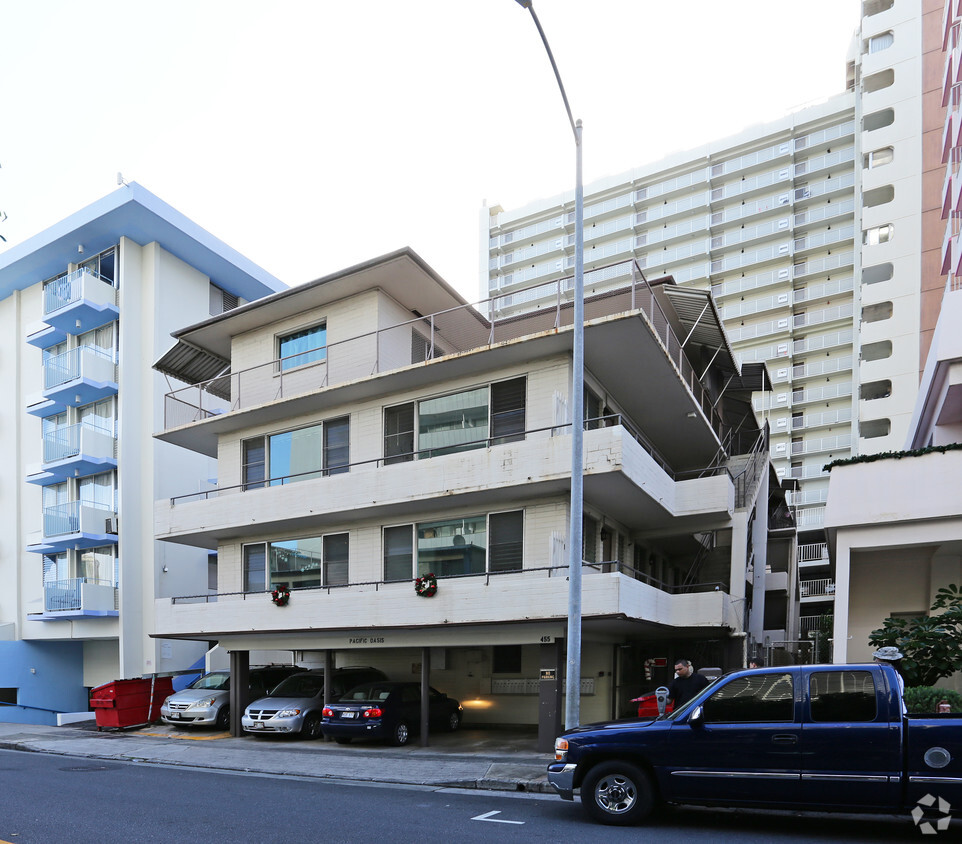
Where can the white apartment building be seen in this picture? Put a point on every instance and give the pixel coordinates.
(374, 428)
(808, 232)
(894, 527)
(85, 308)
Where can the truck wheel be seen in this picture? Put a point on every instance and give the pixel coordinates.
(617, 793)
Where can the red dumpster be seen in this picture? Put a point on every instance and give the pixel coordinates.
(130, 703)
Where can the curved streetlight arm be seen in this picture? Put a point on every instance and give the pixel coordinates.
(534, 16)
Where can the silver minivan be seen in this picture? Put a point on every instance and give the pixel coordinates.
(206, 701)
(296, 705)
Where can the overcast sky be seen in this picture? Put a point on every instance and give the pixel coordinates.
(311, 135)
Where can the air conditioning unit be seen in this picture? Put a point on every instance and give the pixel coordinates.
(111, 525)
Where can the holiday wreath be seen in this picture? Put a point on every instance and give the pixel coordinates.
(426, 585)
(280, 597)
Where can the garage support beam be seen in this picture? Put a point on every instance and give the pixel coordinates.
(240, 676)
(425, 695)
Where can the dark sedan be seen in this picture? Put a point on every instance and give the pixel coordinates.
(387, 710)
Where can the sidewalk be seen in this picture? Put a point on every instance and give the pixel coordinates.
(498, 760)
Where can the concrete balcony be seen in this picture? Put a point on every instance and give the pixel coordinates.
(75, 524)
(776, 581)
(74, 452)
(77, 597)
(621, 477)
(76, 377)
(79, 301)
(392, 609)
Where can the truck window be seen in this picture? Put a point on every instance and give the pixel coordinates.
(760, 697)
(842, 696)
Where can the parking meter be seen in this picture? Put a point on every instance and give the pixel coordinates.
(661, 696)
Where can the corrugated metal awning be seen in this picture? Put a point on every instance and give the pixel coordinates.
(192, 365)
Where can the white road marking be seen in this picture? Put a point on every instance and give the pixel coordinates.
(487, 817)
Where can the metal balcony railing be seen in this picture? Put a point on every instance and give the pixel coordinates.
(70, 288)
(69, 441)
(823, 587)
(748, 476)
(816, 552)
(63, 595)
(84, 361)
(73, 517)
(602, 567)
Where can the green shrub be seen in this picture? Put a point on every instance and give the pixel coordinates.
(924, 700)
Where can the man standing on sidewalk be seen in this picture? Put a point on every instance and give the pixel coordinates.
(686, 684)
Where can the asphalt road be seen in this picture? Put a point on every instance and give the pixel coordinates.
(49, 799)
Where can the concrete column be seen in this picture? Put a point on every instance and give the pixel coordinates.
(552, 660)
(425, 695)
(759, 543)
(843, 563)
(328, 675)
(240, 665)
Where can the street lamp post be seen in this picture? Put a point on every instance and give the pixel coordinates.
(573, 673)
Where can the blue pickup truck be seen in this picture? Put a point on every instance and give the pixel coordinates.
(818, 737)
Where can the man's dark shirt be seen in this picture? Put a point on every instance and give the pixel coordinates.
(683, 689)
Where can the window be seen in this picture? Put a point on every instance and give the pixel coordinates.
(589, 533)
(398, 553)
(97, 564)
(878, 158)
(456, 422)
(877, 312)
(212, 572)
(99, 415)
(297, 563)
(506, 541)
(880, 42)
(335, 559)
(299, 455)
(399, 434)
(8, 695)
(878, 196)
(468, 545)
(98, 491)
(762, 697)
(302, 347)
(55, 567)
(255, 557)
(878, 119)
(873, 428)
(842, 696)
(875, 390)
(101, 340)
(878, 81)
(877, 273)
(877, 351)
(254, 463)
(449, 424)
(337, 446)
(508, 411)
(104, 265)
(452, 547)
(878, 234)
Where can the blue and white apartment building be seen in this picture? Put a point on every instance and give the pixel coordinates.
(85, 308)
